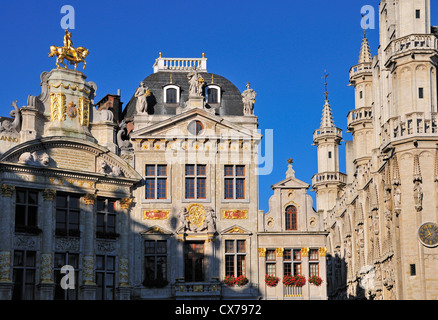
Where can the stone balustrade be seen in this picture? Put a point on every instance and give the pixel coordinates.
(326, 177)
(193, 289)
(358, 115)
(180, 64)
(409, 125)
(411, 42)
(327, 131)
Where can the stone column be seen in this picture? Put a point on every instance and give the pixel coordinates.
(47, 284)
(6, 216)
(87, 216)
(123, 215)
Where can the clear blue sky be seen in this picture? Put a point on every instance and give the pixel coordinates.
(282, 47)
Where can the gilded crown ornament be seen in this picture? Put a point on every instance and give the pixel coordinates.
(68, 52)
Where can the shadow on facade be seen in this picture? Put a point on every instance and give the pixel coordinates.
(339, 283)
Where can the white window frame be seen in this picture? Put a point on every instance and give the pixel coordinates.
(171, 86)
(213, 86)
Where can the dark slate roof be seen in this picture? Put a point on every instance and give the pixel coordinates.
(230, 105)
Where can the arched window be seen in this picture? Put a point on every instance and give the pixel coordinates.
(213, 94)
(171, 94)
(291, 218)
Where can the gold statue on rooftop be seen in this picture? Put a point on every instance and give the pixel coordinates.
(68, 52)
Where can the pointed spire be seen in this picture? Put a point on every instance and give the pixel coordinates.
(365, 52)
(327, 117)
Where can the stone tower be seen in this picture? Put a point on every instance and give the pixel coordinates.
(329, 180)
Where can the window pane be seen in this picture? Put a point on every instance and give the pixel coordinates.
(270, 255)
(61, 201)
(33, 197)
(190, 170)
(150, 170)
(150, 188)
(59, 260)
(287, 255)
(240, 170)
(30, 258)
(162, 246)
(240, 188)
(161, 170)
(297, 254)
(228, 170)
(161, 268)
(110, 263)
(149, 246)
(229, 265)
(241, 246)
(229, 246)
(287, 267)
(100, 222)
(201, 170)
(18, 258)
(201, 188)
(100, 205)
(161, 188)
(212, 95)
(270, 269)
(228, 189)
(21, 196)
(190, 188)
(241, 265)
(32, 216)
(297, 268)
(100, 262)
(20, 215)
(171, 95)
(74, 202)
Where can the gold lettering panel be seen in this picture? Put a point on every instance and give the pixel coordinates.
(155, 214)
(234, 214)
(84, 108)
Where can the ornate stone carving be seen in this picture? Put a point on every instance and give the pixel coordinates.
(25, 242)
(67, 244)
(84, 111)
(12, 127)
(105, 168)
(7, 191)
(49, 194)
(124, 272)
(5, 266)
(279, 252)
(322, 252)
(57, 106)
(262, 252)
(89, 199)
(141, 94)
(34, 159)
(248, 99)
(104, 115)
(122, 138)
(196, 218)
(126, 203)
(88, 270)
(304, 252)
(105, 246)
(46, 268)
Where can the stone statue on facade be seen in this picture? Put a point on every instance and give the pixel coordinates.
(210, 220)
(418, 196)
(123, 144)
(73, 55)
(141, 94)
(34, 159)
(248, 99)
(196, 82)
(183, 220)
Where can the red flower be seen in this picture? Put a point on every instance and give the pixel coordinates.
(315, 280)
(230, 280)
(296, 281)
(271, 281)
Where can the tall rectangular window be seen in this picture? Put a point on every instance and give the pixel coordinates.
(106, 218)
(292, 262)
(67, 214)
(26, 210)
(171, 95)
(193, 261)
(155, 261)
(24, 270)
(212, 95)
(271, 262)
(234, 182)
(420, 93)
(313, 262)
(62, 259)
(417, 14)
(105, 277)
(235, 258)
(195, 181)
(156, 181)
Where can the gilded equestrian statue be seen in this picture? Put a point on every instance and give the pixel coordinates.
(68, 52)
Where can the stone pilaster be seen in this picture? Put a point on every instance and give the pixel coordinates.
(87, 214)
(47, 285)
(124, 288)
(7, 193)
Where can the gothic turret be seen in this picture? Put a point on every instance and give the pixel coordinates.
(329, 180)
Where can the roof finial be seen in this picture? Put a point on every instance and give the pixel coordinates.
(325, 84)
(290, 173)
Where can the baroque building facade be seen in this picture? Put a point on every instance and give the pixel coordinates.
(157, 200)
(381, 216)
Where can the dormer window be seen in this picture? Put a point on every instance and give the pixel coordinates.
(171, 94)
(212, 94)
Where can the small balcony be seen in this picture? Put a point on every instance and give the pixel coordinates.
(193, 290)
(358, 116)
(329, 177)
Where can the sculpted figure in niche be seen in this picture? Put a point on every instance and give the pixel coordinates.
(34, 159)
(397, 198)
(211, 220)
(248, 99)
(418, 196)
(141, 94)
(183, 221)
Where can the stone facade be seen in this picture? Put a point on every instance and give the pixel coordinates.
(375, 212)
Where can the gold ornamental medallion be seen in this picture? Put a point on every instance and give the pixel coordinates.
(196, 215)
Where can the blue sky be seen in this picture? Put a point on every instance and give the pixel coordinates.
(282, 47)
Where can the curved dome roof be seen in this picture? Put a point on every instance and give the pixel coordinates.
(230, 102)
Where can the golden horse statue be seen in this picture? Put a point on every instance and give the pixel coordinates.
(74, 56)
